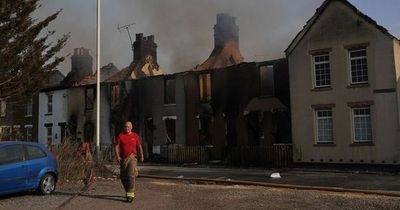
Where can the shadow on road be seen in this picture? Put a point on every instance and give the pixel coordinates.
(106, 197)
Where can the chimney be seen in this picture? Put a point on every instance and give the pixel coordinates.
(144, 46)
(226, 44)
(225, 30)
(81, 62)
(81, 66)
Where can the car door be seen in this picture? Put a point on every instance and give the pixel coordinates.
(36, 160)
(13, 169)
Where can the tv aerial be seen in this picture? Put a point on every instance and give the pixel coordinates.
(126, 27)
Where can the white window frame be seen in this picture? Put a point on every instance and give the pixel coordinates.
(317, 129)
(315, 69)
(349, 51)
(353, 124)
(49, 135)
(49, 103)
(29, 109)
(27, 127)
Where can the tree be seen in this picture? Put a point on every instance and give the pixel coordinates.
(26, 55)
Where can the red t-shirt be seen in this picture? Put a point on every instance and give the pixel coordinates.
(128, 144)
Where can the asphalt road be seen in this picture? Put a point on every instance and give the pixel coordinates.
(162, 194)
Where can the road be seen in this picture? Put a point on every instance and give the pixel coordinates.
(162, 194)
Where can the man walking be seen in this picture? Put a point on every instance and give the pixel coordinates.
(126, 154)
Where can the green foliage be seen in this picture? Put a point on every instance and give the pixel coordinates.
(26, 55)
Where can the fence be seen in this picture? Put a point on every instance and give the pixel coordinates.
(187, 154)
(278, 155)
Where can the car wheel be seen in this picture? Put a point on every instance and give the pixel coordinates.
(47, 185)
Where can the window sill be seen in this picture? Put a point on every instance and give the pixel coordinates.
(169, 104)
(361, 85)
(48, 114)
(361, 144)
(318, 89)
(325, 145)
(28, 116)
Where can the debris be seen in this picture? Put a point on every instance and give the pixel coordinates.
(275, 175)
(180, 177)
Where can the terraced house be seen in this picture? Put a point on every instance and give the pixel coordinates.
(344, 84)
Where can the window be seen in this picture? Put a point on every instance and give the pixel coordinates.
(205, 87)
(28, 132)
(5, 133)
(362, 124)
(170, 126)
(115, 95)
(3, 108)
(17, 135)
(322, 71)
(169, 91)
(89, 98)
(324, 126)
(358, 66)
(35, 153)
(49, 103)
(29, 108)
(267, 80)
(11, 154)
(63, 130)
(49, 135)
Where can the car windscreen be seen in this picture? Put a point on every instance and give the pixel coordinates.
(11, 154)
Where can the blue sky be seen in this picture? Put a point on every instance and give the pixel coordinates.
(183, 29)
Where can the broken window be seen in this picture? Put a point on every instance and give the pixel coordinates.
(169, 91)
(267, 80)
(205, 87)
(115, 95)
(89, 98)
(170, 125)
(3, 108)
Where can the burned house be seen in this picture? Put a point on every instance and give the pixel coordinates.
(222, 104)
(68, 108)
(122, 89)
(226, 45)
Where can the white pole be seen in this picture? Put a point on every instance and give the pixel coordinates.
(98, 83)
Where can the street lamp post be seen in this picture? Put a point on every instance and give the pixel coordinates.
(98, 82)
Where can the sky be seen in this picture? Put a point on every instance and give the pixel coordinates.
(183, 29)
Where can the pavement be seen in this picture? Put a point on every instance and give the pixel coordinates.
(324, 179)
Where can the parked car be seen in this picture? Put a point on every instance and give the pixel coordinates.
(26, 166)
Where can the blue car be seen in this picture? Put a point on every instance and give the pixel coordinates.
(26, 166)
